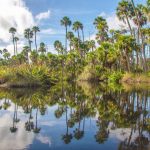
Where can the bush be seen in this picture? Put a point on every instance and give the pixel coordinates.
(115, 77)
(27, 75)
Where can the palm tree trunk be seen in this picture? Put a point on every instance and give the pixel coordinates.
(36, 118)
(83, 35)
(66, 39)
(16, 48)
(129, 25)
(127, 60)
(144, 56)
(14, 44)
(35, 42)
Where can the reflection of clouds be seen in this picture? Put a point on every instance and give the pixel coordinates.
(44, 139)
(51, 123)
(19, 140)
(122, 134)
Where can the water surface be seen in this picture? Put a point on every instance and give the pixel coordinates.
(75, 117)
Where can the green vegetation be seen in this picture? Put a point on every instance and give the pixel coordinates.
(113, 55)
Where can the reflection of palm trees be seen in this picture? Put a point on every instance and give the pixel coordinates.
(103, 133)
(6, 104)
(59, 112)
(14, 128)
(36, 129)
(29, 124)
(78, 133)
(67, 137)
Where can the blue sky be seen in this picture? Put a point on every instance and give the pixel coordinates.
(48, 13)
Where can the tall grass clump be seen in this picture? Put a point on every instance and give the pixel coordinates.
(27, 76)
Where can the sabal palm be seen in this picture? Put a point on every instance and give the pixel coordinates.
(76, 27)
(42, 47)
(12, 30)
(35, 29)
(66, 22)
(102, 27)
(28, 34)
(16, 39)
(91, 44)
(70, 36)
(125, 12)
(58, 47)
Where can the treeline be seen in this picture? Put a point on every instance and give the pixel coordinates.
(124, 50)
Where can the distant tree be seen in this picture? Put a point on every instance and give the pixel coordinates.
(12, 30)
(35, 29)
(66, 22)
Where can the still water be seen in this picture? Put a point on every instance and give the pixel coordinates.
(75, 117)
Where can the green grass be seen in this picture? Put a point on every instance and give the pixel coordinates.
(26, 76)
(136, 78)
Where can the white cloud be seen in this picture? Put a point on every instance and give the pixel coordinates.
(48, 31)
(22, 137)
(114, 22)
(43, 15)
(14, 13)
(103, 14)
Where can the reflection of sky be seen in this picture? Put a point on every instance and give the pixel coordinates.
(50, 136)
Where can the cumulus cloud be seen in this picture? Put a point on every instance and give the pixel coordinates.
(22, 137)
(14, 13)
(43, 15)
(114, 22)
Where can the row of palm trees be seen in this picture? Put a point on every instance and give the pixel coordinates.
(123, 50)
(28, 34)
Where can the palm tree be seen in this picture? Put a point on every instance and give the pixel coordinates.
(28, 34)
(58, 47)
(12, 30)
(125, 12)
(16, 39)
(25, 52)
(6, 54)
(35, 29)
(102, 27)
(66, 22)
(70, 36)
(91, 44)
(81, 27)
(76, 27)
(42, 48)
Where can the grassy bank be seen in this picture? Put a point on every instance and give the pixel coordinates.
(132, 78)
(21, 76)
(26, 76)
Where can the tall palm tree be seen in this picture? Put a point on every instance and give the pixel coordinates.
(28, 34)
(58, 47)
(81, 27)
(76, 27)
(102, 27)
(35, 29)
(16, 39)
(125, 12)
(70, 36)
(66, 22)
(12, 30)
